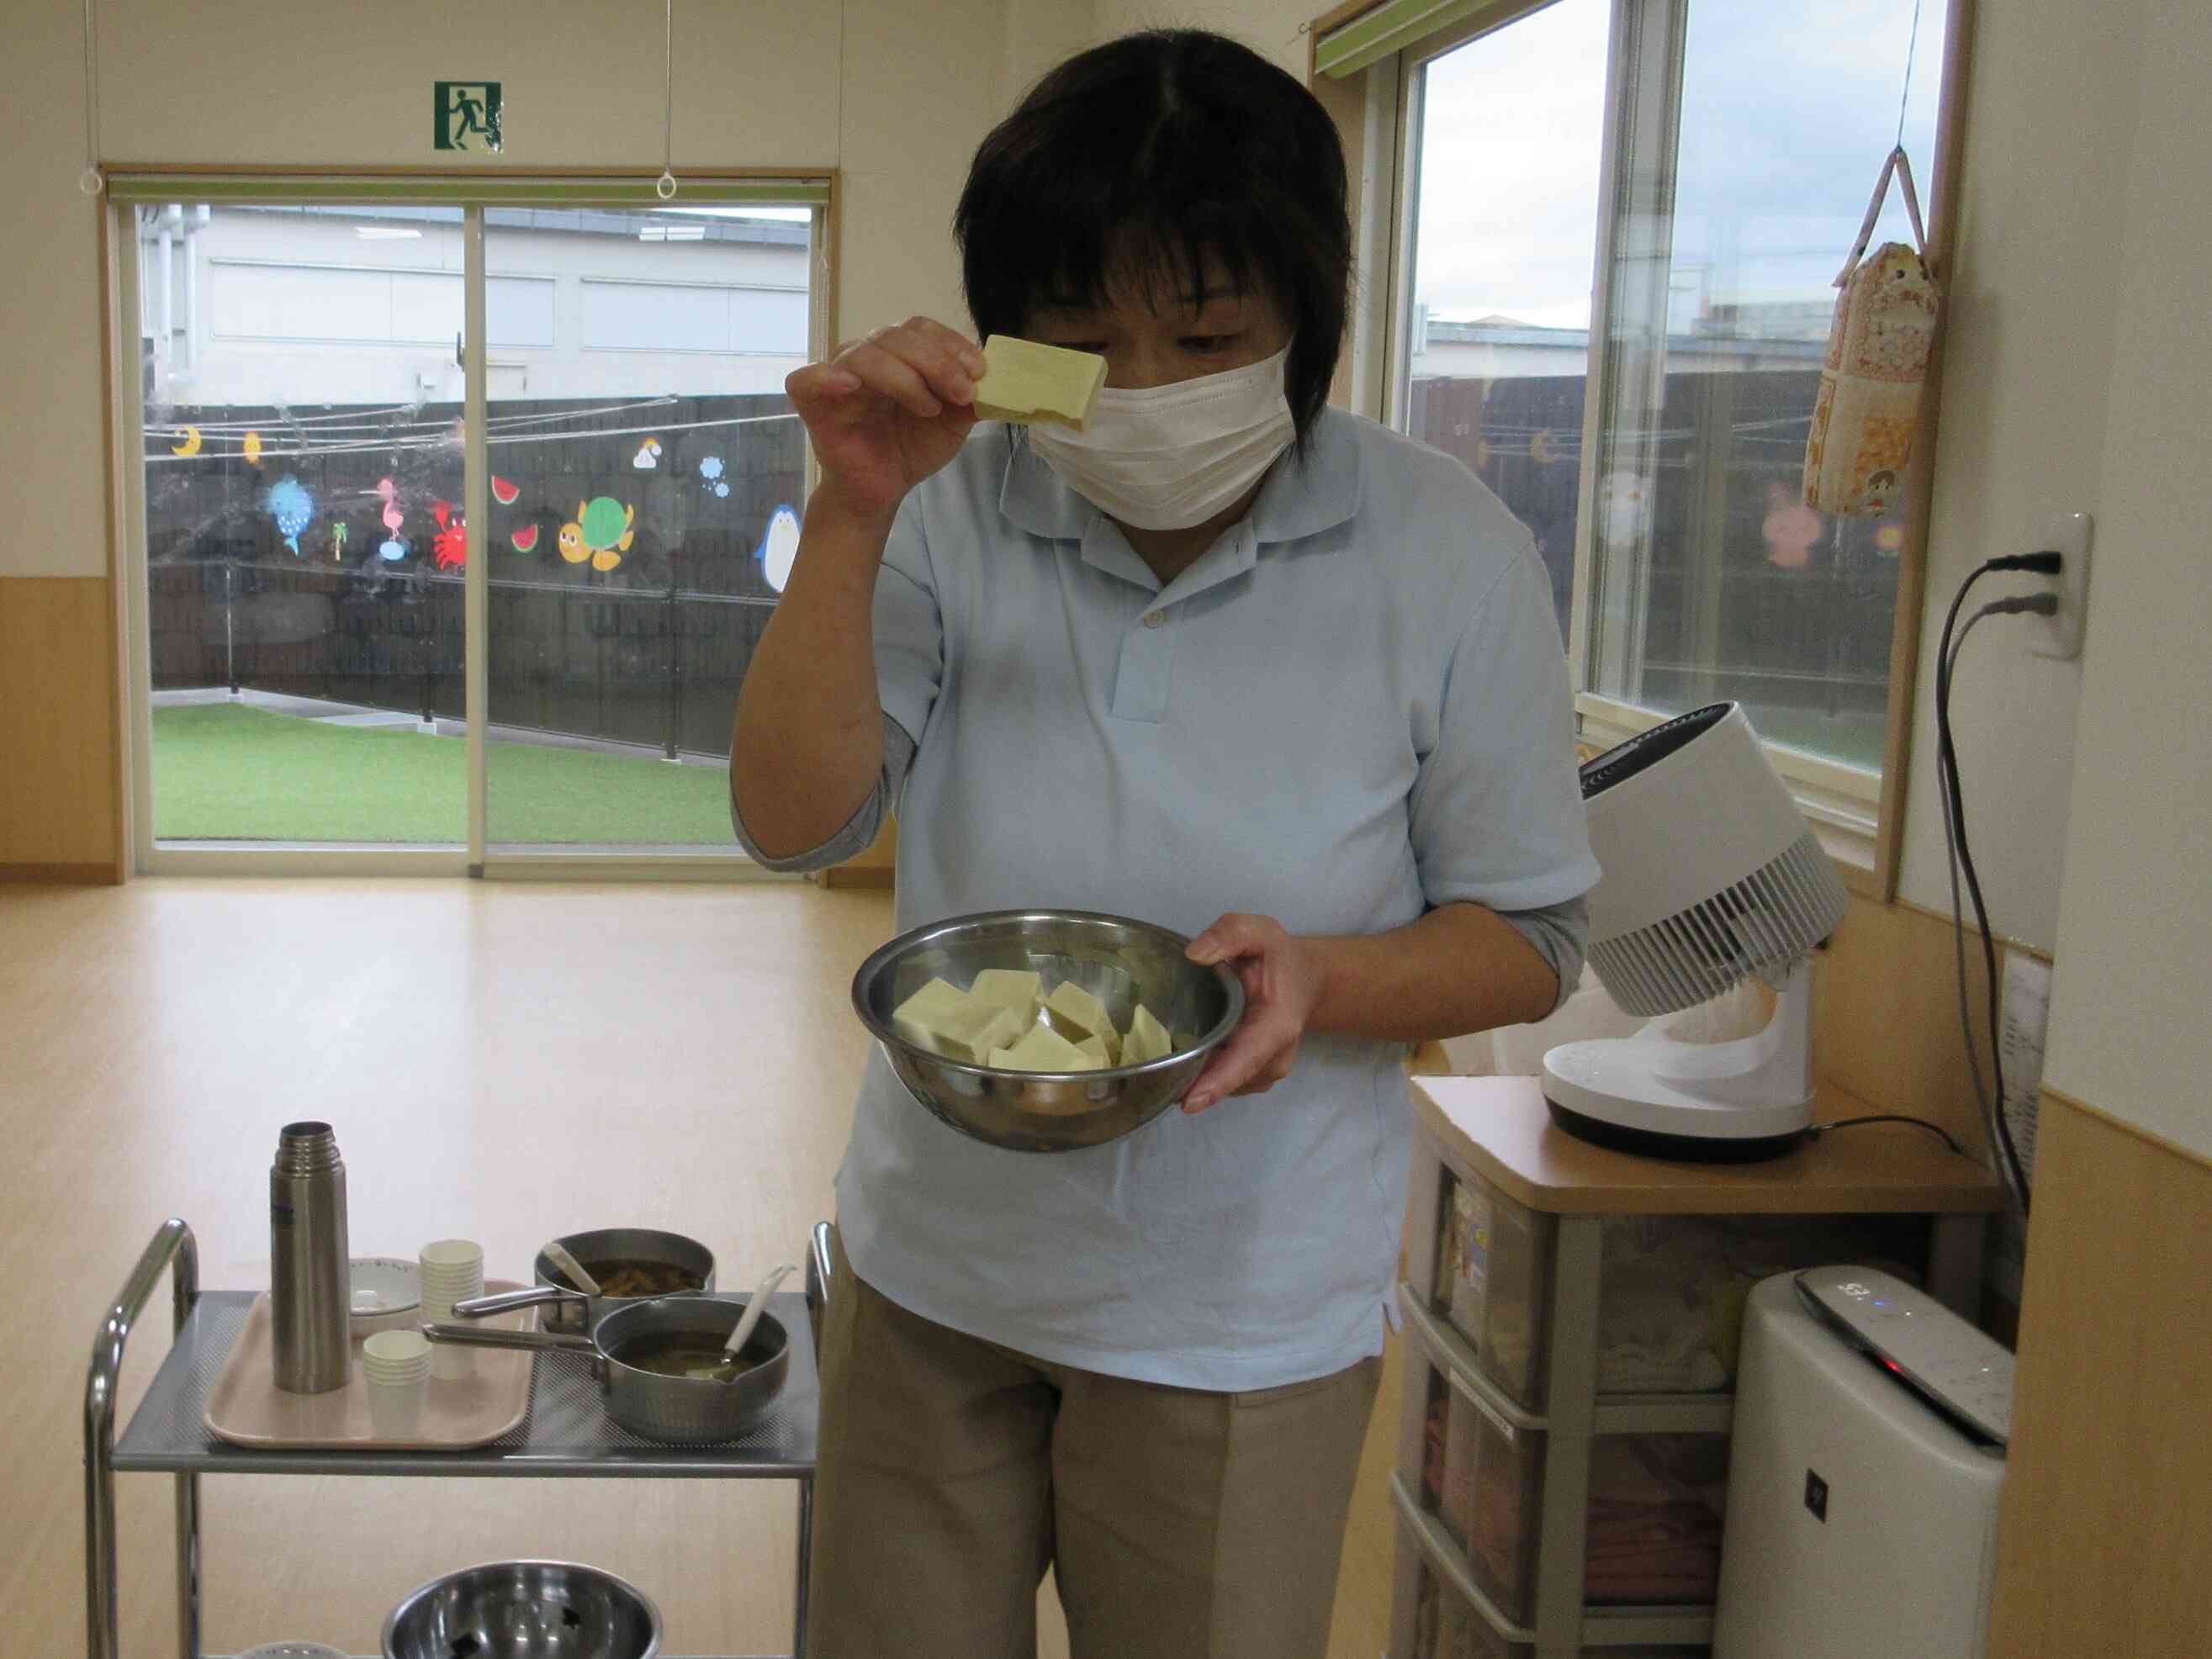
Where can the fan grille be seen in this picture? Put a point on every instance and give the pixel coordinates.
(1759, 924)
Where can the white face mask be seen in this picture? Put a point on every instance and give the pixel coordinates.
(1169, 457)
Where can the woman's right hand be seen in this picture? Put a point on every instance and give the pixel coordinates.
(888, 411)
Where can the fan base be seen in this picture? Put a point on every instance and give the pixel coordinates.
(1681, 1149)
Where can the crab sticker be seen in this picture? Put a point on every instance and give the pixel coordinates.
(451, 544)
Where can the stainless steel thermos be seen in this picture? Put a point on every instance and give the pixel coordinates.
(310, 1289)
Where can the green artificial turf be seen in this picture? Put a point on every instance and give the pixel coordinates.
(224, 772)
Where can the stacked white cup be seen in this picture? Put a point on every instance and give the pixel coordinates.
(396, 1365)
(452, 1271)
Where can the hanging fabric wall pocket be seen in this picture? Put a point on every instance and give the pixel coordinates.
(1868, 409)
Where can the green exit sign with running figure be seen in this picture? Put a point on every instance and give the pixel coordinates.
(466, 114)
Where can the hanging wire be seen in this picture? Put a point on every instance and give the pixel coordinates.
(90, 181)
(665, 186)
(1911, 50)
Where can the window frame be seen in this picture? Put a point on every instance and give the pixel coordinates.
(1857, 813)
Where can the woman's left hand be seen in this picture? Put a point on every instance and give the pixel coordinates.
(1282, 977)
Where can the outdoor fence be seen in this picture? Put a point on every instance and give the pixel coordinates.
(362, 603)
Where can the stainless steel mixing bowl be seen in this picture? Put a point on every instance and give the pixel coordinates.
(510, 1609)
(1120, 961)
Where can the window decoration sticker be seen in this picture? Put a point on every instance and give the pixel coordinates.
(601, 531)
(1790, 529)
(505, 491)
(648, 455)
(191, 446)
(451, 544)
(337, 538)
(291, 507)
(394, 546)
(525, 540)
(778, 547)
(710, 475)
(252, 448)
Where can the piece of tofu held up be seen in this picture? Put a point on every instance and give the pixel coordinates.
(1025, 382)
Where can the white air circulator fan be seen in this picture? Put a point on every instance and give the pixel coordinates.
(1711, 875)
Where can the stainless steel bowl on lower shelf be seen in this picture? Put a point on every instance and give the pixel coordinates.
(1121, 961)
(506, 1609)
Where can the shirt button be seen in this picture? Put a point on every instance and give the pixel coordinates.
(1156, 618)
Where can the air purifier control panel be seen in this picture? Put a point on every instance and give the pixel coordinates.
(1955, 1366)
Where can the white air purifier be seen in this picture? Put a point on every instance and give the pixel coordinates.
(1710, 875)
(1865, 1467)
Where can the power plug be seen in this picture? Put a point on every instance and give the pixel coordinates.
(2069, 534)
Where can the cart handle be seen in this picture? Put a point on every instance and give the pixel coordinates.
(172, 1242)
(821, 1255)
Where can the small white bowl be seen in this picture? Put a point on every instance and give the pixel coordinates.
(387, 1294)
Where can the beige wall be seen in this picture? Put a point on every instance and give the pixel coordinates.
(2135, 911)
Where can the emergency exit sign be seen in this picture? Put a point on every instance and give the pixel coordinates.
(466, 114)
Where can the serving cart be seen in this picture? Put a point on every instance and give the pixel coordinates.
(565, 1433)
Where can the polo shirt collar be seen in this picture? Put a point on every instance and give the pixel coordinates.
(1301, 497)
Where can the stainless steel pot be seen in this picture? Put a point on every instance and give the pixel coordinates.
(567, 1309)
(679, 1410)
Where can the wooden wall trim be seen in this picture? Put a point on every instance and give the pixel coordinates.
(2105, 1540)
(59, 680)
(66, 875)
(2149, 1137)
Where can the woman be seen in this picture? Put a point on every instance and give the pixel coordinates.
(1230, 661)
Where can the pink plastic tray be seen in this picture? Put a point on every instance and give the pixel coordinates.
(248, 1408)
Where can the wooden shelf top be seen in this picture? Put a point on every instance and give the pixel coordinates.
(1500, 1128)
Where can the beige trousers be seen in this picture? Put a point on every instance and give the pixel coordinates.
(1178, 1522)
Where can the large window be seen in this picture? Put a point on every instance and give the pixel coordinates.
(319, 517)
(1619, 223)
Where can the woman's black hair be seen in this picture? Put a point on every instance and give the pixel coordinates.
(1142, 159)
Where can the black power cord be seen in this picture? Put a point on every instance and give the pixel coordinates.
(1961, 855)
(1819, 1129)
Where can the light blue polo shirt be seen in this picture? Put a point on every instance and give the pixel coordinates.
(1354, 707)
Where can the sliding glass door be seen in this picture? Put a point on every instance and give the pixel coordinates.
(647, 474)
(317, 595)
(301, 392)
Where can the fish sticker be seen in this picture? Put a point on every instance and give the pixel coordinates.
(601, 531)
(778, 547)
(252, 448)
(191, 445)
(710, 474)
(338, 539)
(648, 455)
(451, 544)
(291, 507)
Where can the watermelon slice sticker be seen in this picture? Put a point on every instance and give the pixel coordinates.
(503, 492)
(525, 539)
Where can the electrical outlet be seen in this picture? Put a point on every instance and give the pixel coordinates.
(2069, 534)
